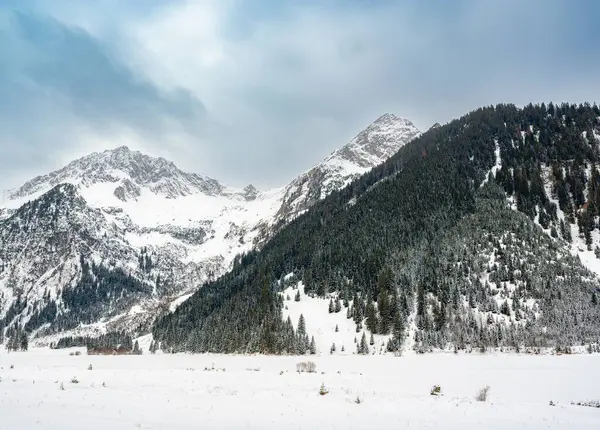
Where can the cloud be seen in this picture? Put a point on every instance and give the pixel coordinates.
(63, 92)
(283, 83)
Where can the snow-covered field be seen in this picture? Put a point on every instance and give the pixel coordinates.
(260, 392)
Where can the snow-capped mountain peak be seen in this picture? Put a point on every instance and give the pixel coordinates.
(379, 141)
(128, 170)
(371, 147)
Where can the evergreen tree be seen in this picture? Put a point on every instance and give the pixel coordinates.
(371, 314)
(24, 343)
(363, 348)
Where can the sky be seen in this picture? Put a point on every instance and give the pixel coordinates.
(258, 91)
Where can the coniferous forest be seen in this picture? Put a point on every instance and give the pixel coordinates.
(468, 227)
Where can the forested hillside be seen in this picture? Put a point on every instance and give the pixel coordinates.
(431, 232)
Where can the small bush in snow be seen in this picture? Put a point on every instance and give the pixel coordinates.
(62, 386)
(591, 403)
(90, 367)
(323, 390)
(74, 380)
(306, 366)
(436, 390)
(552, 403)
(482, 394)
(358, 400)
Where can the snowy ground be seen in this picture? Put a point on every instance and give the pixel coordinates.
(176, 392)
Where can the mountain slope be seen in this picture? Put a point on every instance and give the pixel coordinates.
(425, 246)
(122, 217)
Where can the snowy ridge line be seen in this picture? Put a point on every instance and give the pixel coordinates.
(119, 206)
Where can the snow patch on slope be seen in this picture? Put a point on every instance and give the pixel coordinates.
(322, 325)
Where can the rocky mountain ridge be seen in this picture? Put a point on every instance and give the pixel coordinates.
(144, 223)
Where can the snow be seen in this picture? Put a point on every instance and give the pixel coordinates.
(578, 246)
(182, 391)
(177, 302)
(321, 324)
(497, 165)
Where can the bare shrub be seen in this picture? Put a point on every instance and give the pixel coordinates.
(436, 390)
(589, 403)
(482, 394)
(306, 366)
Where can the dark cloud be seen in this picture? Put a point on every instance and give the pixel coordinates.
(282, 83)
(62, 85)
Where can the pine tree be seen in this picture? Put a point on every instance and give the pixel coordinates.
(297, 296)
(301, 326)
(337, 329)
(371, 322)
(136, 349)
(372, 340)
(24, 343)
(313, 346)
(363, 348)
(331, 308)
(338, 304)
(332, 349)
(301, 336)
(505, 308)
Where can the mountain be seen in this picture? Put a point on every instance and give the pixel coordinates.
(117, 237)
(482, 233)
(371, 147)
(129, 171)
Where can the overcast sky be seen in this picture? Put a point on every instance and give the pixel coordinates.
(257, 91)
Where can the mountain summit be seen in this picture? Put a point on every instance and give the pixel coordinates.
(128, 170)
(378, 142)
(371, 147)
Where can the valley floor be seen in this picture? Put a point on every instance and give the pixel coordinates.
(256, 392)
